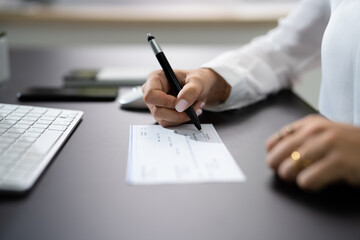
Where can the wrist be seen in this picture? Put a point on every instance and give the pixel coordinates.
(219, 89)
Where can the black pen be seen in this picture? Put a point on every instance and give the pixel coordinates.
(171, 77)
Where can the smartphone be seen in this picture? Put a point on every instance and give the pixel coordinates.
(68, 94)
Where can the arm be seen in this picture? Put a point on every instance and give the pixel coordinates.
(274, 61)
(244, 76)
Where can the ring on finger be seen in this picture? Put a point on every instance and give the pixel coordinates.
(298, 161)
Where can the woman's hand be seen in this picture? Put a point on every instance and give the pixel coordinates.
(315, 152)
(200, 87)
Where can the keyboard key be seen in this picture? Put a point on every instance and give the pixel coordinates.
(5, 125)
(37, 130)
(30, 118)
(63, 122)
(7, 162)
(10, 107)
(39, 110)
(17, 114)
(11, 155)
(49, 118)
(41, 126)
(22, 144)
(32, 134)
(2, 150)
(3, 144)
(6, 140)
(34, 115)
(17, 149)
(23, 126)
(10, 121)
(44, 121)
(14, 118)
(17, 130)
(45, 141)
(52, 113)
(3, 172)
(11, 135)
(27, 139)
(5, 111)
(23, 109)
(57, 127)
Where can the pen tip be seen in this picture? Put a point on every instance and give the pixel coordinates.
(149, 37)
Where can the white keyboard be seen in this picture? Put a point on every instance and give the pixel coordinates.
(29, 138)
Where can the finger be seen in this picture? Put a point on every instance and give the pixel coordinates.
(288, 170)
(297, 126)
(188, 95)
(283, 149)
(308, 126)
(167, 124)
(159, 98)
(321, 173)
(157, 80)
(162, 114)
(311, 150)
(199, 105)
(283, 132)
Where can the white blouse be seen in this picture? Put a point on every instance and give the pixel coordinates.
(326, 30)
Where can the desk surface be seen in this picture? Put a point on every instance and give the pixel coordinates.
(83, 194)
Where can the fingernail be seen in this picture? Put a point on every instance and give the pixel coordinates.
(202, 105)
(198, 112)
(181, 105)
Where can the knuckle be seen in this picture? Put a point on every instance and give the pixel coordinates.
(154, 75)
(162, 122)
(156, 112)
(143, 88)
(330, 138)
(147, 95)
(314, 126)
(312, 117)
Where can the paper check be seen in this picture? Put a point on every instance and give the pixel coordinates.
(180, 154)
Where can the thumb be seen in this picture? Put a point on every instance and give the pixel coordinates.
(187, 96)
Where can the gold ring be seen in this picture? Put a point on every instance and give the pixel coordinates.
(296, 159)
(295, 156)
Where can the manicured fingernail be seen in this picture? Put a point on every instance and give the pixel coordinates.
(198, 112)
(202, 105)
(181, 105)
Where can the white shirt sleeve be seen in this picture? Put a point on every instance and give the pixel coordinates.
(274, 61)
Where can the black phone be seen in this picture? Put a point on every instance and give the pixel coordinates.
(68, 94)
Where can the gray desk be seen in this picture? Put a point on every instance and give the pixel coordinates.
(83, 194)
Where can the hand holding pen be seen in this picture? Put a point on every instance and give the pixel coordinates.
(199, 86)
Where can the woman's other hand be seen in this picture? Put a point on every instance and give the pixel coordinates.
(315, 152)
